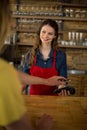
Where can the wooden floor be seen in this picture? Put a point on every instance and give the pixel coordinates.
(69, 113)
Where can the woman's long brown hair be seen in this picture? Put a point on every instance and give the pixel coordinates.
(37, 43)
(4, 20)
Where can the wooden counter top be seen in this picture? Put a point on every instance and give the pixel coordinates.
(69, 113)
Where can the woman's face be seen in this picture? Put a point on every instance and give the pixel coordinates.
(47, 34)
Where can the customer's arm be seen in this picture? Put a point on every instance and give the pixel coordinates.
(22, 124)
(45, 122)
(28, 79)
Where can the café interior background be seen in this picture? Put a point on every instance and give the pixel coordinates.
(71, 16)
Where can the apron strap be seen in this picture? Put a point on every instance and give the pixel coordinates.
(54, 59)
(35, 60)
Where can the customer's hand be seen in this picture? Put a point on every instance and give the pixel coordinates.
(56, 80)
(45, 122)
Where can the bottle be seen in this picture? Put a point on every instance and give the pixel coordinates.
(21, 66)
(14, 38)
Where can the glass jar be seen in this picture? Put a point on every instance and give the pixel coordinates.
(67, 12)
(71, 12)
(83, 13)
(77, 13)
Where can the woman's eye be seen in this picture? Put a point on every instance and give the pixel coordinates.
(47, 33)
(43, 31)
(50, 33)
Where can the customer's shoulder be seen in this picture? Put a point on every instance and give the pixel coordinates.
(3, 64)
(6, 67)
(8, 75)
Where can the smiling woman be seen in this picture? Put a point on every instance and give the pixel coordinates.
(45, 59)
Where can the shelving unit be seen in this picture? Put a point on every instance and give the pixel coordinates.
(41, 10)
(29, 14)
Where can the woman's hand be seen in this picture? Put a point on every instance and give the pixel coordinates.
(60, 89)
(63, 92)
(62, 84)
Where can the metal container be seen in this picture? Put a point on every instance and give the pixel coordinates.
(77, 72)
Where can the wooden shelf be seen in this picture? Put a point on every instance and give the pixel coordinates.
(31, 31)
(24, 44)
(74, 5)
(26, 30)
(74, 30)
(35, 3)
(61, 46)
(73, 47)
(49, 17)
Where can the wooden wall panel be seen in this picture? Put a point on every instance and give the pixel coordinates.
(79, 82)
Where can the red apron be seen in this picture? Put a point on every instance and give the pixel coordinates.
(43, 73)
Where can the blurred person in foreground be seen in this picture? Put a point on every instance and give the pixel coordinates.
(13, 114)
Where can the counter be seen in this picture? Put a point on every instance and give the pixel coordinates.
(69, 113)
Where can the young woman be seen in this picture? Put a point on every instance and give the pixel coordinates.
(45, 59)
